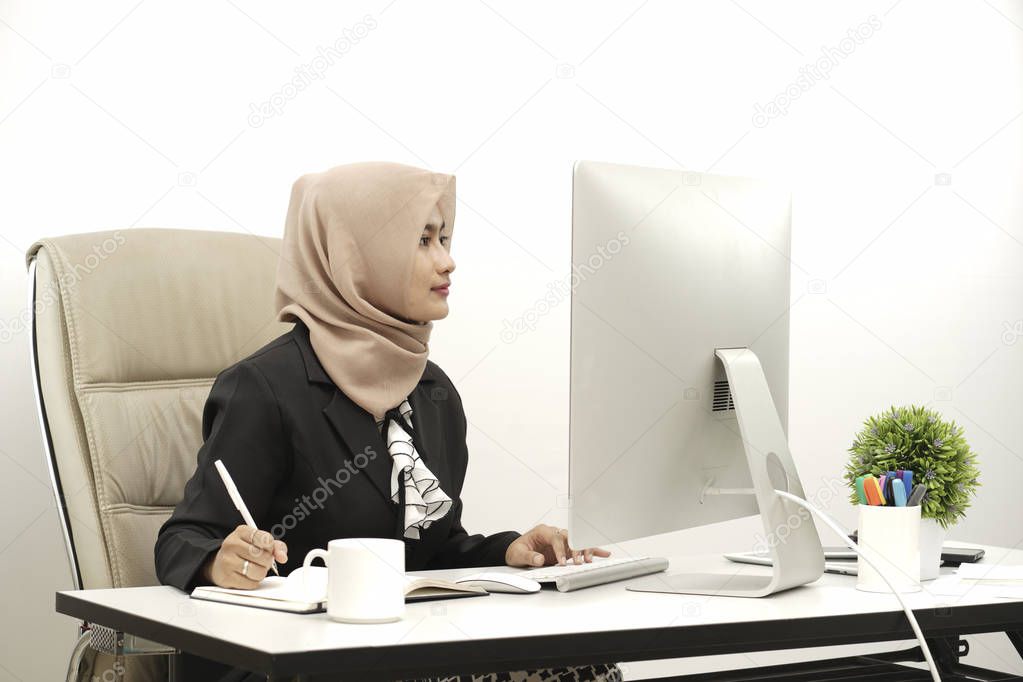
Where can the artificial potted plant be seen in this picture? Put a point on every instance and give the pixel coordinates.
(917, 439)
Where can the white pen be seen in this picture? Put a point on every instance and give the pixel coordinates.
(239, 504)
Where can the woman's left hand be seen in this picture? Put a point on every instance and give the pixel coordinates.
(545, 545)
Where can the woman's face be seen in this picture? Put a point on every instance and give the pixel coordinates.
(432, 268)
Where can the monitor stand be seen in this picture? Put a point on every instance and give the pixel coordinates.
(795, 548)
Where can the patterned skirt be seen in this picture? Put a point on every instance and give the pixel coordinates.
(195, 668)
(603, 672)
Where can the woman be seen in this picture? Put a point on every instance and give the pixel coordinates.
(342, 427)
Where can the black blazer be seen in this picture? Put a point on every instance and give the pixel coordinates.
(312, 466)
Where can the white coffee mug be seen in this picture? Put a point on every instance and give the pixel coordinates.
(365, 579)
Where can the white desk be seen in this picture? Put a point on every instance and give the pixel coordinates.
(515, 631)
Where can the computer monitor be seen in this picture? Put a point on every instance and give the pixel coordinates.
(679, 366)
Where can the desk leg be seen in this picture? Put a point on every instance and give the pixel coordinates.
(1017, 641)
(947, 651)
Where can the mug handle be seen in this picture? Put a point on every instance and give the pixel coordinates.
(309, 558)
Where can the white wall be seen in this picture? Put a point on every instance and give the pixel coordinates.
(135, 114)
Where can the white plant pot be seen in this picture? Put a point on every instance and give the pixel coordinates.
(932, 536)
(891, 538)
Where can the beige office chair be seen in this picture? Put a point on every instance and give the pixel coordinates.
(129, 330)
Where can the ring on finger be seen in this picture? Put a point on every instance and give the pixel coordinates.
(245, 568)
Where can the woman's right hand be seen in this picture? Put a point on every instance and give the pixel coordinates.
(246, 542)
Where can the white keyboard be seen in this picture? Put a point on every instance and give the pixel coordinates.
(543, 574)
(597, 572)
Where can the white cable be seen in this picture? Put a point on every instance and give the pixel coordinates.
(854, 547)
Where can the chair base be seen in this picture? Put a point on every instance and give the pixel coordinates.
(101, 651)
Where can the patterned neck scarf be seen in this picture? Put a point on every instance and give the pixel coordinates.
(411, 482)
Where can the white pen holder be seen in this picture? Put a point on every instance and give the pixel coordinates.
(890, 536)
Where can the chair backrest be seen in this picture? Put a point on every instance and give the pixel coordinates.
(130, 328)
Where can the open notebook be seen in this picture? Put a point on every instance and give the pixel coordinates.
(289, 594)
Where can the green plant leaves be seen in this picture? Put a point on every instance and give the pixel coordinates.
(918, 439)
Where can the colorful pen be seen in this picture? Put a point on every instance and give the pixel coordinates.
(887, 489)
(899, 492)
(860, 493)
(907, 481)
(873, 491)
(917, 496)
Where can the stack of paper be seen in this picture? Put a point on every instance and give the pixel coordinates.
(991, 574)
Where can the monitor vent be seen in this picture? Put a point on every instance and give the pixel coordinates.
(722, 397)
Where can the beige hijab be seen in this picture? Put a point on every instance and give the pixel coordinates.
(350, 240)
